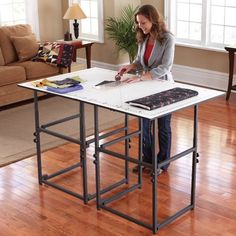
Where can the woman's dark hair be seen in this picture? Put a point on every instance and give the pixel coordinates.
(158, 25)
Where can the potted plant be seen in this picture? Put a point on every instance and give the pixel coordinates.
(122, 31)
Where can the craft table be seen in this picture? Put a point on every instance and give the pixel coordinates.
(115, 98)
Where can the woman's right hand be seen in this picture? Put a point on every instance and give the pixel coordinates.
(122, 70)
(125, 69)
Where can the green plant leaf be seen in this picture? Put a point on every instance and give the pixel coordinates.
(121, 31)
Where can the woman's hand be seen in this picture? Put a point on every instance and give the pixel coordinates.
(126, 69)
(133, 79)
(137, 78)
(120, 73)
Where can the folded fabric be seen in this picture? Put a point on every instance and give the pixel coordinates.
(55, 54)
(67, 82)
(163, 98)
(65, 90)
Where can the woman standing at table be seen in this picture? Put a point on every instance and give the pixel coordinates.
(155, 58)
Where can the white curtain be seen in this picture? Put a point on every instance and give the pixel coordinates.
(20, 12)
(32, 17)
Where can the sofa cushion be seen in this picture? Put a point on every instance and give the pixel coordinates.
(36, 70)
(26, 46)
(8, 50)
(11, 75)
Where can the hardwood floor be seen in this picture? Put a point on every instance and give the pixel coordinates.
(30, 209)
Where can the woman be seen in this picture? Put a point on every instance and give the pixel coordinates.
(155, 59)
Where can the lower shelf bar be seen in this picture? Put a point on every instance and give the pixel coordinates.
(45, 177)
(109, 188)
(65, 190)
(119, 195)
(127, 217)
(89, 196)
(175, 216)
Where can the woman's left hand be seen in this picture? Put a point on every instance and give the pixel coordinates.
(133, 79)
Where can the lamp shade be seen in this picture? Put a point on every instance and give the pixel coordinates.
(74, 12)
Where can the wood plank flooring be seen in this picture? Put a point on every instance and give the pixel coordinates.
(27, 208)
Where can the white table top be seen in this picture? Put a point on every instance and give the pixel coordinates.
(115, 97)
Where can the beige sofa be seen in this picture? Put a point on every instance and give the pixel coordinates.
(17, 46)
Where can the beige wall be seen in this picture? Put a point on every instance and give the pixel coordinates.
(159, 4)
(50, 20)
(52, 27)
(118, 5)
(204, 59)
(105, 52)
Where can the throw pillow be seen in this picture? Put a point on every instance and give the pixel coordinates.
(55, 54)
(26, 46)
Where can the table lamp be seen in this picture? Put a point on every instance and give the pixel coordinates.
(74, 12)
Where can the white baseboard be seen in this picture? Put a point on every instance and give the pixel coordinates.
(185, 74)
(202, 77)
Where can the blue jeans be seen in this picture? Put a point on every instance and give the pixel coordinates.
(164, 138)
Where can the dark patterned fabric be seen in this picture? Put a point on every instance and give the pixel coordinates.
(163, 98)
(65, 55)
(55, 54)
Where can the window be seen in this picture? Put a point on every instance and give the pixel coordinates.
(90, 28)
(20, 12)
(206, 23)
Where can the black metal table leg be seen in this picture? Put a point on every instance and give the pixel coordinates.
(96, 156)
(37, 137)
(83, 158)
(154, 178)
(195, 154)
(126, 150)
(140, 152)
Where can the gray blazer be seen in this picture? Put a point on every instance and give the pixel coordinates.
(161, 58)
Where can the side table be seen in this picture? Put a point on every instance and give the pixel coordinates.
(231, 50)
(77, 45)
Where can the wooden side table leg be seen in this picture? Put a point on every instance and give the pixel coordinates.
(69, 68)
(231, 73)
(88, 55)
(74, 54)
